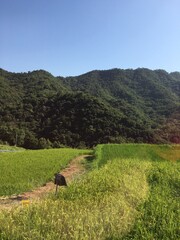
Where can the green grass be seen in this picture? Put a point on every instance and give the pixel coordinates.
(24, 170)
(96, 206)
(160, 214)
(125, 151)
(130, 193)
(10, 148)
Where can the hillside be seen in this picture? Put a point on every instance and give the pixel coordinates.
(38, 110)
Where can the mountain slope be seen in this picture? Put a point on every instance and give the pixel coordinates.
(38, 109)
(141, 88)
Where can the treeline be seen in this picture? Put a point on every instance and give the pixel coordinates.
(38, 110)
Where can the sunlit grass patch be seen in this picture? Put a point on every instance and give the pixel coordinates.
(130, 193)
(160, 214)
(103, 203)
(25, 170)
(169, 152)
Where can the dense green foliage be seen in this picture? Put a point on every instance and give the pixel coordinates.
(38, 110)
(24, 170)
(130, 193)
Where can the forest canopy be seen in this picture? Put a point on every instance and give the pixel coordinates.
(38, 110)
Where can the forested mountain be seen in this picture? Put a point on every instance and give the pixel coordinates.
(38, 110)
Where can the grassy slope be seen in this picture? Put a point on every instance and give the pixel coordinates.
(131, 193)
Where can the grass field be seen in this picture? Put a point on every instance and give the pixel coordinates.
(10, 148)
(131, 192)
(24, 170)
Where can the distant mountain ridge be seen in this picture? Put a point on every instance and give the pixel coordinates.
(39, 110)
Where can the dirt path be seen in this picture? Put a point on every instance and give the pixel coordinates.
(74, 169)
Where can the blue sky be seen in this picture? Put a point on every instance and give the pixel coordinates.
(71, 37)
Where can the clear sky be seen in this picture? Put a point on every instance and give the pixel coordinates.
(71, 37)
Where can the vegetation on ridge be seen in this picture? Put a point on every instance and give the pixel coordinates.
(38, 110)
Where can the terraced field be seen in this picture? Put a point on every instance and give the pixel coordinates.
(25, 170)
(129, 192)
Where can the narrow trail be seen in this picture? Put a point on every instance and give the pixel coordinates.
(74, 169)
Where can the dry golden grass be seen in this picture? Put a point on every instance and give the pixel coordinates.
(171, 153)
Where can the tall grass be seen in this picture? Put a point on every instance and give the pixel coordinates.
(160, 214)
(103, 203)
(125, 151)
(127, 195)
(22, 171)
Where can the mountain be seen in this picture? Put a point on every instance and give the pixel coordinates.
(39, 110)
